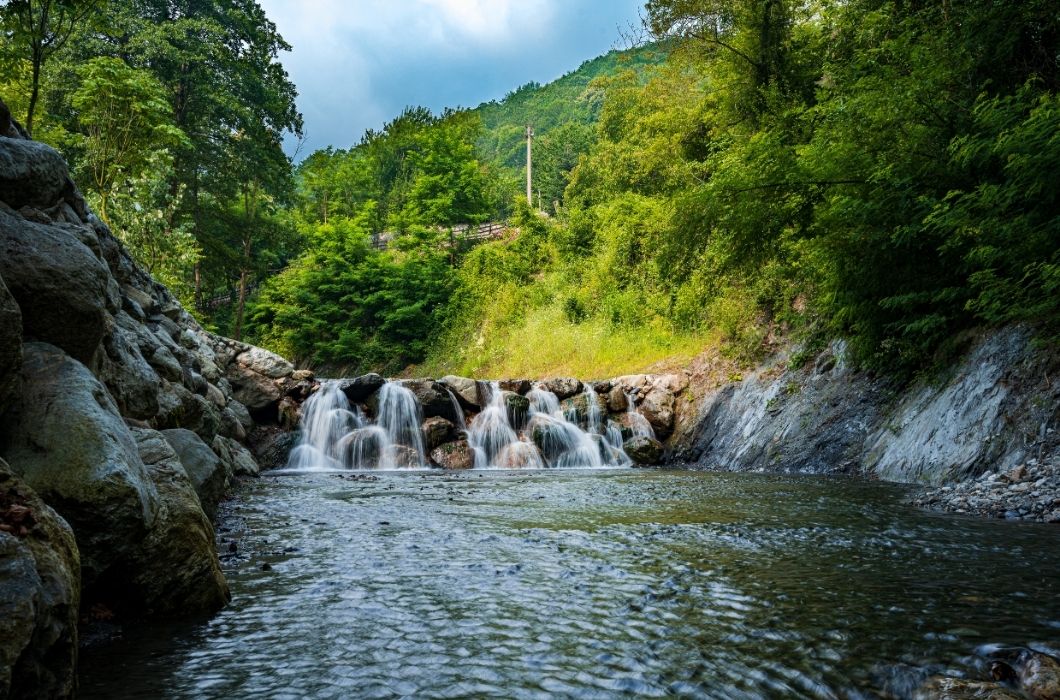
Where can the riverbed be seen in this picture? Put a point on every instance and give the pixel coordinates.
(593, 584)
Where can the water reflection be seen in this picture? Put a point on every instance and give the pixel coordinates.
(595, 584)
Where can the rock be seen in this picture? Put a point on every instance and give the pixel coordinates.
(658, 408)
(242, 414)
(67, 440)
(40, 589)
(432, 398)
(453, 455)
(230, 426)
(403, 457)
(216, 397)
(673, 383)
(179, 408)
(31, 173)
(177, 572)
(437, 430)
(603, 386)
(576, 408)
(562, 387)
(1038, 674)
(466, 391)
(255, 391)
(358, 389)
(616, 400)
(10, 346)
(302, 375)
(167, 366)
(519, 386)
(238, 459)
(644, 451)
(946, 688)
(271, 446)
(208, 473)
(289, 413)
(131, 380)
(518, 408)
(265, 363)
(59, 284)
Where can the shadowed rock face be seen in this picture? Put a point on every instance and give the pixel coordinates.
(40, 592)
(89, 345)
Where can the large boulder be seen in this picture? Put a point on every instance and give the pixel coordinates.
(208, 473)
(265, 363)
(68, 441)
(658, 407)
(132, 382)
(465, 390)
(358, 389)
(272, 446)
(10, 345)
(58, 282)
(562, 387)
(238, 459)
(179, 408)
(432, 398)
(644, 451)
(519, 386)
(453, 455)
(177, 572)
(31, 174)
(40, 589)
(518, 409)
(256, 391)
(437, 430)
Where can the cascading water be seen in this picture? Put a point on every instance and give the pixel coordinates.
(635, 421)
(337, 435)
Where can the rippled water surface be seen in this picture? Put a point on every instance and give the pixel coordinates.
(593, 584)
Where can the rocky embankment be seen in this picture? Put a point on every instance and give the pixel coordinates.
(996, 409)
(122, 424)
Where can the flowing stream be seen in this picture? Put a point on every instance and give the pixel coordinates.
(592, 583)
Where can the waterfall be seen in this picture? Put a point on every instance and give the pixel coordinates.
(635, 421)
(493, 439)
(336, 436)
(511, 432)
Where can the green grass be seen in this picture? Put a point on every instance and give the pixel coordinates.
(544, 343)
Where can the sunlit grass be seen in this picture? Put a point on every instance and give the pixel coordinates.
(544, 343)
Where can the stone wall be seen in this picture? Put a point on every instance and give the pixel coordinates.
(122, 424)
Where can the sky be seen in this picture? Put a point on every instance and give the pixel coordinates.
(358, 63)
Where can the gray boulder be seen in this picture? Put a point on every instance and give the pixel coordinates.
(466, 391)
(31, 174)
(358, 389)
(179, 408)
(208, 473)
(255, 391)
(40, 589)
(58, 282)
(562, 387)
(644, 451)
(658, 408)
(176, 569)
(131, 380)
(432, 397)
(68, 441)
(265, 363)
(10, 346)
(519, 386)
(238, 460)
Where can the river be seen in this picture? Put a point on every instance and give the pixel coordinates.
(593, 584)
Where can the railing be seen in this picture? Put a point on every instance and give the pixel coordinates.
(471, 233)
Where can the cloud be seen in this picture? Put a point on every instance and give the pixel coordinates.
(358, 63)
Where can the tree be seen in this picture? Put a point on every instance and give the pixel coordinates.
(40, 28)
(125, 119)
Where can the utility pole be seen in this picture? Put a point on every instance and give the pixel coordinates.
(529, 165)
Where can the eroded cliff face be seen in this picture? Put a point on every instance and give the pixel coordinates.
(997, 408)
(122, 424)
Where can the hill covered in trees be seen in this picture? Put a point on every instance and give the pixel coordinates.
(880, 171)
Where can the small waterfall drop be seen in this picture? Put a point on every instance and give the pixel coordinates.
(637, 422)
(511, 431)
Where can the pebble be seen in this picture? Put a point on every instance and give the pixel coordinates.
(1029, 491)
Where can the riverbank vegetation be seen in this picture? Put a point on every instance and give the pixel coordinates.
(756, 170)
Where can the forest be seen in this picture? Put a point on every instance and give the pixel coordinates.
(747, 173)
